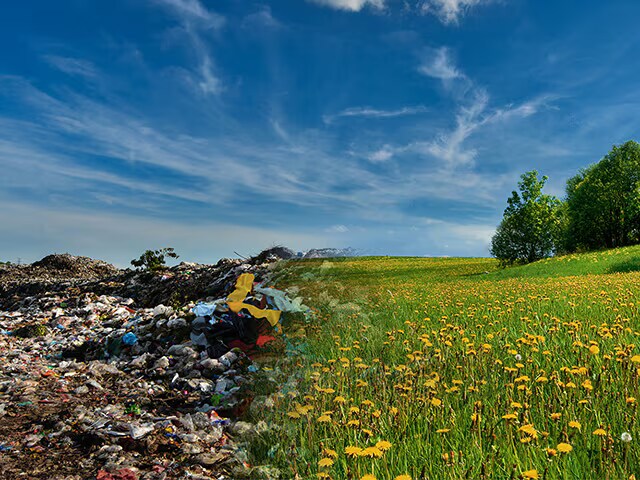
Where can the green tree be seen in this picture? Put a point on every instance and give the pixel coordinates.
(153, 260)
(530, 227)
(603, 201)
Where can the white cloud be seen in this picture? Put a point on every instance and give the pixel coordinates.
(438, 64)
(194, 11)
(72, 66)
(262, 18)
(337, 229)
(450, 11)
(381, 155)
(369, 112)
(196, 19)
(350, 5)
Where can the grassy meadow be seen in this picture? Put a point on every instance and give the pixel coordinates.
(449, 368)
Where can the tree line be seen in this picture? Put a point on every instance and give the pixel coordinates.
(601, 209)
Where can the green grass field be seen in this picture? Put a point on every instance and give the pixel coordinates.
(450, 368)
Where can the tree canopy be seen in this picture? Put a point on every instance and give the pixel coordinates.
(529, 229)
(603, 202)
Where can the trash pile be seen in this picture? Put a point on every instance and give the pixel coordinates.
(99, 381)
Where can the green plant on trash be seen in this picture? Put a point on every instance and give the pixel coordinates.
(154, 260)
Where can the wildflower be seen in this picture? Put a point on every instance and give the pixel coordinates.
(402, 477)
(322, 475)
(339, 399)
(594, 349)
(373, 452)
(631, 400)
(352, 451)
(625, 437)
(599, 432)
(293, 415)
(324, 419)
(635, 359)
(531, 474)
(576, 425)
(564, 447)
(510, 416)
(368, 477)
(556, 416)
(383, 445)
(436, 402)
(325, 462)
(443, 430)
(552, 452)
(330, 453)
(518, 357)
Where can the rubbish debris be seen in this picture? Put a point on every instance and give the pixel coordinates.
(120, 374)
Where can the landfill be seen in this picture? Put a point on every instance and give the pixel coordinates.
(113, 374)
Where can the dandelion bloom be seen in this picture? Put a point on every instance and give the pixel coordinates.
(402, 477)
(324, 419)
(576, 425)
(322, 475)
(368, 477)
(564, 447)
(556, 416)
(330, 453)
(373, 452)
(552, 452)
(443, 430)
(599, 432)
(594, 349)
(383, 445)
(352, 451)
(635, 359)
(325, 462)
(531, 474)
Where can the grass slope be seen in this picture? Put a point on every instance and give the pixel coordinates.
(430, 368)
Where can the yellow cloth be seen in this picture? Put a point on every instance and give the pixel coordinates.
(272, 316)
(244, 284)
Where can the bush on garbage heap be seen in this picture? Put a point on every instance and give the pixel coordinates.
(153, 260)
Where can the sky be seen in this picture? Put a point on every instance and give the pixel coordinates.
(395, 127)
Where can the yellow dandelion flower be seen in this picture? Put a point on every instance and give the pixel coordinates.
(556, 416)
(529, 430)
(402, 477)
(373, 452)
(552, 452)
(322, 475)
(293, 415)
(599, 432)
(383, 445)
(352, 451)
(516, 405)
(635, 359)
(436, 402)
(510, 416)
(340, 399)
(564, 447)
(324, 419)
(631, 400)
(325, 462)
(353, 423)
(368, 477)
(443, 430)
(531, 474)
(330, 453)
(594, 349)
(576, 425)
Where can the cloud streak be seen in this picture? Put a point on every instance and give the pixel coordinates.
(450, 12)
(350, 5)
(369, 112)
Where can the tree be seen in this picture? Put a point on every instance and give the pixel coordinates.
(530, 227)
(603, 201)
(153, 260)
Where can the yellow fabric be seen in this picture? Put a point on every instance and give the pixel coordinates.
(272, 316)
(244, 284)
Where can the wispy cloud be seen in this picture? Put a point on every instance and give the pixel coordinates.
(196, 20)
(350, 5)
(438, 64)
(262, 18)
(369, 112)
(450, 11)
(72, 66)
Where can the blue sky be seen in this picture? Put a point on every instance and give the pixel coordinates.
(392, 126)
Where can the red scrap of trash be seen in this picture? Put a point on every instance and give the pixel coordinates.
(122, 474)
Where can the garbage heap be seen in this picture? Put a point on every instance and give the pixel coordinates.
(110, 374)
